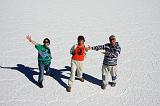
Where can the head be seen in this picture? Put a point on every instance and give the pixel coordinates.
(81, 39)
(112, 40)
(46, 42)
(20, 65)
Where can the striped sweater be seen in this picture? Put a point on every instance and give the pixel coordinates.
(111, 53)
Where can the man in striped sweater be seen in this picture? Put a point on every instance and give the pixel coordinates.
(109, 67)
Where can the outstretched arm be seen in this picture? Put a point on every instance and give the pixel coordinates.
(30, 40)
(99, 47)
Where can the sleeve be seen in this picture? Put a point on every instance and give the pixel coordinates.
(72, 49)
(116, 51)
(38, 47)
(50, 54)
(99, 47)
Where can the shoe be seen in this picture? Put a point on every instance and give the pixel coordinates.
(40, 84)
(113, 84)
(81, 79)
(47, 74)
(103, 86)
(68, 89)
(76, 74)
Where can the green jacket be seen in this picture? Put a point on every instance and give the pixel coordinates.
(44, 54)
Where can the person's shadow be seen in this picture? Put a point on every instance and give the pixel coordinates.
(58, 75)
(92, 79)
(55, 73)
(27, 71)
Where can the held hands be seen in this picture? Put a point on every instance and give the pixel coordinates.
(88, 48)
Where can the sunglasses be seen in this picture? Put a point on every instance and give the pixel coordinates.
(112, 39)
(46, 42)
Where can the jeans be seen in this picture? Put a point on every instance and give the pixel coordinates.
(42, 67)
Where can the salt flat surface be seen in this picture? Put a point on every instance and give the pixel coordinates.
(135, 23)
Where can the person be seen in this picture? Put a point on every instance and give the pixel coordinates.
(44, 58)
(109, 67)
(78, 52)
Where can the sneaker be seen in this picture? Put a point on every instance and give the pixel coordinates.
(103, 86)
(113, 84)
(40, 84)
(47, 73)
(68, 89)
(81, 79)
(76, 74)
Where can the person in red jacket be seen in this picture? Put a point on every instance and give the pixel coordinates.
(78, 52)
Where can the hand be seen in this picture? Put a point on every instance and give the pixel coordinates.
(29, 38)
(88, 48)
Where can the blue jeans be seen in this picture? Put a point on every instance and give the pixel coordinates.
(42, 67)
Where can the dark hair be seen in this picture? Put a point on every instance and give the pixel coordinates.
(112, 36)
(81, 38)
(47, 40)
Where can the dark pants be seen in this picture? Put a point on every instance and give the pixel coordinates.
(42, 67)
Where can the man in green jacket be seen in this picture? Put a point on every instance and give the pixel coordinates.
(44, 58)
